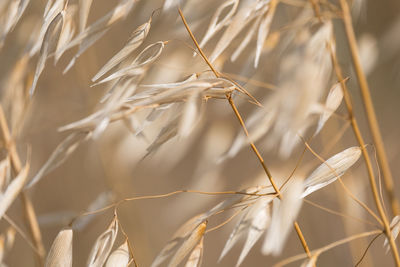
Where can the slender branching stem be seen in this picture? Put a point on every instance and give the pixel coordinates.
(356, 129)
(29, 211)
(303, 241)
(330, 246)
(240, 119)
(369, 109)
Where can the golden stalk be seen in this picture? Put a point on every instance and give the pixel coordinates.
(240, 119)
(369, 109)
(29, 211)
(360, 139)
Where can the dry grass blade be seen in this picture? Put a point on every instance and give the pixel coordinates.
(243, 44)
(284, 213)
(333, 100)
(236, 234)
(4, 173)
(167, 133)
(136, 39)
(188, 244)
(67, 32)
(183, 241)
(331, 170)
(259, 217)
(115, 100)
(103, 245)
(97, 30)
(13, 189)
(60, 155)
(245, 223)
(53, 8)
(49, 43)
(263, 30)
(15, 11)
(196, 256)
(119, 257)
(237, 23)
(217, 23)
(60, 254)
(147, 56)
(190, 114)
(84, 10)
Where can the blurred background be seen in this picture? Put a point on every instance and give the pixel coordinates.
(112, 166)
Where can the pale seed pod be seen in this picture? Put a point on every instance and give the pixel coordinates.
(60, 254)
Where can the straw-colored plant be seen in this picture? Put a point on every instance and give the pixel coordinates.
(255, 91)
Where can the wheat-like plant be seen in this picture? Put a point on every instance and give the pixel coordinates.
(235, 124)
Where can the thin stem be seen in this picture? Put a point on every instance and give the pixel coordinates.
(116, 205)
(360, 139)
(338, 213)
(239, 117)
(29, 211)
(348, 191)
(302, 239)
(366, 250)
(252, 145)
(226, 221)
(251, 81)
(327, 247)
(21, 233)
(369, 108)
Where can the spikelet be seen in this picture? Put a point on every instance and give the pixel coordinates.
(264, 29)
(136, 39)
(253, 223)
(15, 11)
(284, 213)
(60, 254)
(333, 100)
(84, 10)
(103, 245)
(95, 31)
(52, 10)
(331, 170)
(67, 32)
(13, 189)
(217, 23)
(49, 43)
(60, 154)
(184, 240)
(260, 218)
(196, 256)
(188, 244)
(119, 257)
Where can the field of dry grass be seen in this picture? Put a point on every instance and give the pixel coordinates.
(199, 133)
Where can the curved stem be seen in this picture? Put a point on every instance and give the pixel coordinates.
(369, 109)
(239, 117)
(364, 88)
(29, 211)
(317, 252)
